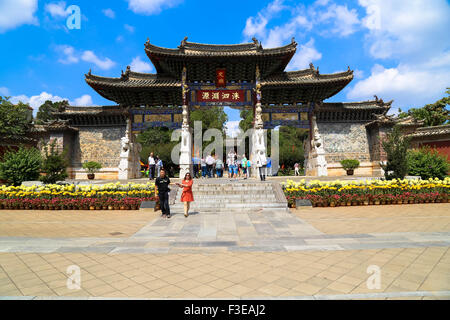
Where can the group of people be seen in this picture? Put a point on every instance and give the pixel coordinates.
(162, 183)
(155, 165)
(237, 166)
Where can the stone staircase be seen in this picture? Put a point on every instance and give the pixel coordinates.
(242, 195)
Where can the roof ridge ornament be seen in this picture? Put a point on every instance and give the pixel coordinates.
(293, 41)
(147, 42)
(126, 74)
(183, 42)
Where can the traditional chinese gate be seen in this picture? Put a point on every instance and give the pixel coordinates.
(195, 76)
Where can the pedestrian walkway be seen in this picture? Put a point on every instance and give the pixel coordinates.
(319, 253)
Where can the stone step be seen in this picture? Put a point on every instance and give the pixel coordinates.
(233, 196)
(232, 205)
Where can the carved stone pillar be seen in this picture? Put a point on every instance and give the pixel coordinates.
(129, 165)
(315, 162)
(186, 136)
(258, 155)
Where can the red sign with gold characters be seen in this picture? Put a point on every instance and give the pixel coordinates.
(220, 96)
(221, 78)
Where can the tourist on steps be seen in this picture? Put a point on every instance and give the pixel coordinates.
(244, 166)
(162, 183)
(203, 165)
(159, 165)
(151, 166)
(219, 167)
(186, 196)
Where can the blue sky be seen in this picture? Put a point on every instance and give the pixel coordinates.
(399, 49)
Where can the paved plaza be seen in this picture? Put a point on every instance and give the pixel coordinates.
(317, 253)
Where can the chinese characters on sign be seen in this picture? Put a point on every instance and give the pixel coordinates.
(220, 96)
(220, 78)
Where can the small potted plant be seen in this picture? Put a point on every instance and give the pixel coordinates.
(350, 165)
(91, 167)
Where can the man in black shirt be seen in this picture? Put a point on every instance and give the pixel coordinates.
(162, 183)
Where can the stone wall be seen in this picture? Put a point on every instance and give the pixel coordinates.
(345, 140)
(100, 144)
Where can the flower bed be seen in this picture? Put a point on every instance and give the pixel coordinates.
(368, 192)
(113, 196)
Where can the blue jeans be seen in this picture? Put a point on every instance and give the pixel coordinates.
(209, 169)
(164, 202)
(204, 171)
(219, 173)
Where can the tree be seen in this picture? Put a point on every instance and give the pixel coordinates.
(434, 114)
(214, 117)
(427, 163)
(157, 140)
(247, 119)
(15, 119)
(20, 165)
(45, 111)
(54, 164)
(396, 146)
(291, 145)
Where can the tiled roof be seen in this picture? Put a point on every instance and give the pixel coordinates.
(199, 49)
(307, 76)
(131, 79)
(431, 131)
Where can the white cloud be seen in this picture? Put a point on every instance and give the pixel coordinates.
(256, 26)
(90, 56)
(306, 53)
(138, 65)
(36, 101)
(14, 13)
(57, 9)
(149, 7)
(4, 91)
(129, 28)
(68, 54)
(345, 21)
(416, 30)
(84, 100)
(232, 128)
(414, 33)
(109, 13)
(409, 87)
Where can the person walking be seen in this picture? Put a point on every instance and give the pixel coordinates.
(186, 196)
(269, 166)
(296, 167)
(159, 165)
(162, 184)
(249, 166)
(261, 163)
(209, 165)
(196, 166)
(203, 166)
(219, 167)
(151, 166)
(244, 166)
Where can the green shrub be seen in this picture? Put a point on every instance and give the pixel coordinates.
(396, 147)
(92, 166)
(427, 163)
(350, 164)
(54, 164)
(20, 165)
